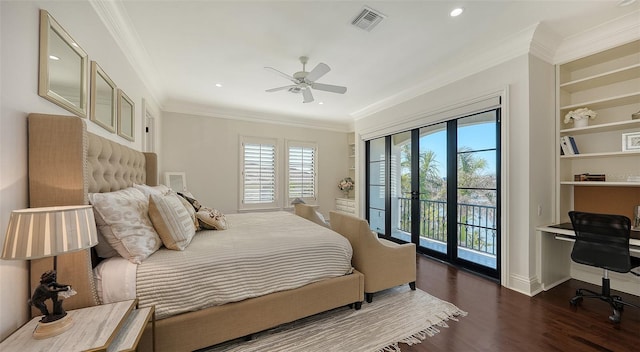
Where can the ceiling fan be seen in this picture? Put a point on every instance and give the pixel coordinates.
(304, 81)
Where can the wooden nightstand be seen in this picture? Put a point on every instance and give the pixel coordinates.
(109, 327)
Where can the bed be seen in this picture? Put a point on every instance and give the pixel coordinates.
(67, 164)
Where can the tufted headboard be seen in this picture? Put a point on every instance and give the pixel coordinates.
(65, 164)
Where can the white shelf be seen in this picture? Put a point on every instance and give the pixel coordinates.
(601, 183)
(605, 127)
(605, 103)
(600, 155)
(603, 79)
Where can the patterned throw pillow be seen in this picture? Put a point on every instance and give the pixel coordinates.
(149, 190)
(212, 219)
(126, 227)
(171, 220)
(189, 197)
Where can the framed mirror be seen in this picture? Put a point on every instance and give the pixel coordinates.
(126, 116)
(103, 98)
(63, 67)
(177, 181)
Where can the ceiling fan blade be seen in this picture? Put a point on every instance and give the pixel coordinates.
(280, 88)
(283, 75)
(320, 70)
(308, 97)
(329, 88)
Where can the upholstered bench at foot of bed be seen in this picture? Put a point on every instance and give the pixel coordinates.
(211, 326)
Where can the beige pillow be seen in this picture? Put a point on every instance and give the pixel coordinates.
(103, 248)
(212, 219)
(126, 227)
(191, 211)
(149, 190)
(171, 220)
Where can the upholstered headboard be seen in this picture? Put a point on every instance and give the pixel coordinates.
(66, 163)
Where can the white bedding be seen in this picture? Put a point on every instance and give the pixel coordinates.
(260, 253)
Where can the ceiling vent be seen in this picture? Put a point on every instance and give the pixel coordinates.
(367, 19)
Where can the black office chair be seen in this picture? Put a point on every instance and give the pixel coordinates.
(602, 241)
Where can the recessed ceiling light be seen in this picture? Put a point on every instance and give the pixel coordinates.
(218, 85)
(622, 3)
(321, 103)
(457, 11)
(53, 57)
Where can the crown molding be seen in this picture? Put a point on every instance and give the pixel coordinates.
(545, 42)
(113, 16)
(190, 108)
(602, 37)
(451, 71)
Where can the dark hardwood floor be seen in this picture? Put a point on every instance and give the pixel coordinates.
(500, 319)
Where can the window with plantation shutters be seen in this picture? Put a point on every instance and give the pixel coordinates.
(301, 170)
(259, 179)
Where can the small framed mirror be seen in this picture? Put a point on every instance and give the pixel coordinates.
(63, 67)
(103, 98)
(177, 181)
(126, 116)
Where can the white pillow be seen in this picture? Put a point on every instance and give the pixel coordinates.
(126, 227)
(171, 220)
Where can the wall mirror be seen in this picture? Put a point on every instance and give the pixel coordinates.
(103, 98)
(126, 116)
(63, 67)
(177, 181)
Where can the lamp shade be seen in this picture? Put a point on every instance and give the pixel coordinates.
(44, 232)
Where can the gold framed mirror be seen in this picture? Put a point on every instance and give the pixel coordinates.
(63, 67)
(103, 98)
(126, 116)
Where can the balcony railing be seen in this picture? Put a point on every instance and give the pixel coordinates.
(476, 226)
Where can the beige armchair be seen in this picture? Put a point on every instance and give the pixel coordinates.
(385, 264)
(310, 213)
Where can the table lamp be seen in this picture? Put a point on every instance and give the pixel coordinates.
(48, 232)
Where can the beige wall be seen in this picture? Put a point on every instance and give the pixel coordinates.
(207, 149)
(19, 86)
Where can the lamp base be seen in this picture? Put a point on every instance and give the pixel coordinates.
(57, 327)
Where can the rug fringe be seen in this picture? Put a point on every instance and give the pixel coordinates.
(421, 335)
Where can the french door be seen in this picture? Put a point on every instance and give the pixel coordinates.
(437, 186)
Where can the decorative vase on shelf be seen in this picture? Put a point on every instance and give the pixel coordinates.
(580, 123)
(346, 194)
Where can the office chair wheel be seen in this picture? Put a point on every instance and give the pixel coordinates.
(615, 318)
(576, 300)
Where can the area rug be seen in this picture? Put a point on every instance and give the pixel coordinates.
(395, 316)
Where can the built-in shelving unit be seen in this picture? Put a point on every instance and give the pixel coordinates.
(608, 83)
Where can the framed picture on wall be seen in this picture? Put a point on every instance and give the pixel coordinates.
(631, 142)
(126, 116)
(103, 99)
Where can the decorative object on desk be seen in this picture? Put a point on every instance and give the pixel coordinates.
(631, 141)
(590, 177)
(346, 185)
(580, 117)
(635, 115)
(35, 233)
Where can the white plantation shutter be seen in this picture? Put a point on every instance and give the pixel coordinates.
(259, 173)
(302, 164)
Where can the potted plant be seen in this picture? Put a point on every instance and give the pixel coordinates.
(580, 117)
(346, 185)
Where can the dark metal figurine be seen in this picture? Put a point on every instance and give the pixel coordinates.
(48, 289)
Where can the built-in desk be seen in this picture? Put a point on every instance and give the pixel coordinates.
(554, 265)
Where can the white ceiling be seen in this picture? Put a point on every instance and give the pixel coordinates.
(186, 47)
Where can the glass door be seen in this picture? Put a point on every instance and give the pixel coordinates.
(437, 187)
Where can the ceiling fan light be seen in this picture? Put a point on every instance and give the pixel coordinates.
(458, 11)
